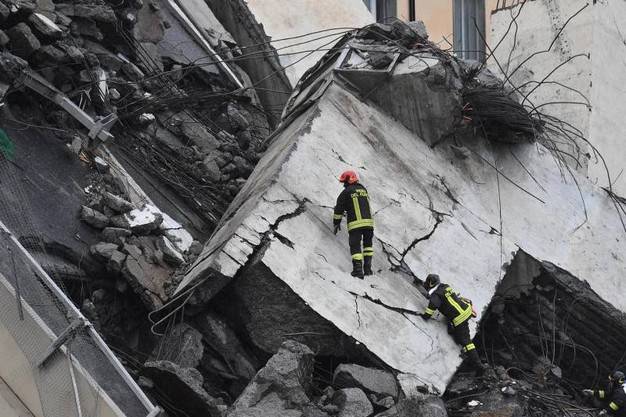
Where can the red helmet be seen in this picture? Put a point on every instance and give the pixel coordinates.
(349, 176)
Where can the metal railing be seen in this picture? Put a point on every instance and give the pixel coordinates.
(74, 371)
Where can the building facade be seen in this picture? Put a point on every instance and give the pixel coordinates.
(462, 25)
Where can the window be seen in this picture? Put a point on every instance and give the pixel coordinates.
(469, 29)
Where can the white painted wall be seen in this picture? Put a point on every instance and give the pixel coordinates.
(283, 19)
(599, 75)
(608, 94)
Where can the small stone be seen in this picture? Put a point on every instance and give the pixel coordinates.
(86, 27)
(386, 402)
(93, 217)
(23, 42)
(114, 94)
(50, 55)
(195, 248)
(133, 251)
(44, 27)
(117, 203)
(374, 381)
(145, 382)
(170, 254)
(212, 170)
(98, 12)
(4, 38)
(63, 20)
(4, 12)
(352, 402)
(103, 250)
(114, 234)
(116, 262)
(98, 295)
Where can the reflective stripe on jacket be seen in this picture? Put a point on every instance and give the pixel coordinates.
(354, 201)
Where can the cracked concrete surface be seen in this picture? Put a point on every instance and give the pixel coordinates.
(442, 219)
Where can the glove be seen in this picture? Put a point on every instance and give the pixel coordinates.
(425, 316)
(337, 228)
(602, 413)
(587, 392)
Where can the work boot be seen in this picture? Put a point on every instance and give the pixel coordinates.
(367, 265)
(357, 269)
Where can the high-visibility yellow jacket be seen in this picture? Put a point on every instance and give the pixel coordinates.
(354, 201)
(444, 299)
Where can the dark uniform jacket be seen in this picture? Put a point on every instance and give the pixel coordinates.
(449, 304)
(354, 201)
(613, 397)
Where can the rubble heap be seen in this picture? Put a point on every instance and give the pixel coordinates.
(447, 199)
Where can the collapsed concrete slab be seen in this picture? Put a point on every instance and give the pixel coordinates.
(463, 218)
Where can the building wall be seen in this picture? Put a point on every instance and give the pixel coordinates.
(591, 53)
(437, 15)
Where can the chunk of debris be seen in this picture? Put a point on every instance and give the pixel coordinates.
(352, 402)
(23, 42)
(44, 27)
(117, 203)
(115, 235)
(170, 254)
(372, 381)
(282, 384)
(94, 218)
(98, 12)
(184, 384)
(103, 251)
(181, 345)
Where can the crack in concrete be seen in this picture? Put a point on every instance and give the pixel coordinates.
(356, 307)
(438, 220)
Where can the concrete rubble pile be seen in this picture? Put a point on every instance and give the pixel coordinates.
(447, 199)
(265, 318)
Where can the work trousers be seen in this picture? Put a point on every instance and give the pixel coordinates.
(461, 334)
(356, 236)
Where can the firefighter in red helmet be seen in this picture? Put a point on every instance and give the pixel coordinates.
(354, 201)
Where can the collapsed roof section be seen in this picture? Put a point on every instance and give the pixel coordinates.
(461, 209)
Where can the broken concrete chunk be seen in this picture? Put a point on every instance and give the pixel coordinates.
(370, 380)
(419, 27)
(423, 406)
(184, 384)
(170, 254)
(23, 41)
(11, 67)
(140, 221)
(93, 217)
(86, 27)
(181, 345)
(117, 203)
(116, 262)
(114, 234)
(98, 12)
(44, 27)
(140, 276)
(133, 251)
(283, 383)
(223, 340)
(352, 402)
(103, 250)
